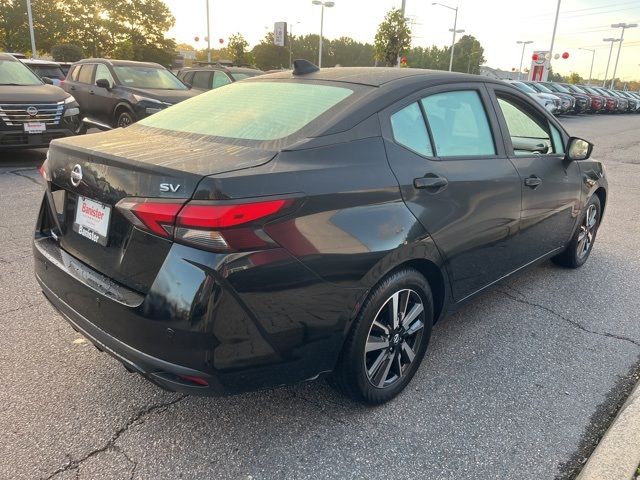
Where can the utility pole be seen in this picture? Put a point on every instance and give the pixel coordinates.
(623, 26)
(606, 73)
(34, 53)
(454, 30)
(322, 3)
(402, 9)
(593, 56)
(208, 36)
(553, 40)
(524, 44)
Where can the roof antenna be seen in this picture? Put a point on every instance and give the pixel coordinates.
(302, 67)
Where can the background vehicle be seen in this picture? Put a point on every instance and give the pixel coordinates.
(231, 252)
(582, 100)
(210, 77)
(121, 92)
(65, 66)
(32, 113)
(551, 103)
(610, 102)
(46, 70)
(598, 103)
(567, 102)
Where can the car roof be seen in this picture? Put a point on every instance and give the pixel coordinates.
(33, 61)
(377, 76)
(243, 70)
(118, 63)
(7, 56)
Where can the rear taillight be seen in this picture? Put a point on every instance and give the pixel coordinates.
(221, 226)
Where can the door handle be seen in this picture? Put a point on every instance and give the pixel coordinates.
(533, 181)
(430, 181)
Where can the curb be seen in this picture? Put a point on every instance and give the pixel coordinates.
(617, 456)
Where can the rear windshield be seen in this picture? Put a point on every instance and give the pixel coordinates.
(50, 71)
(261, 111)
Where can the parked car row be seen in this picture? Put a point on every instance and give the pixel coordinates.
(565, 98)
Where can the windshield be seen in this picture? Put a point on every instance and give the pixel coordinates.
(148, 77)
(542, 88)
(242, 75)
(558, 88)
(524, 87)
(591, 91)
(50, 71)
(260, 111)
(13, 72)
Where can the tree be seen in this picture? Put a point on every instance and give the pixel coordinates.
(554, 77)
(268, 56)
(575, 78)
(237, 48)
(392, 38)
(468, 55)
(67, 52)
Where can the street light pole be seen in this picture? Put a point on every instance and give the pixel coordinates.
(34, 54)
(524, 44)
(402, 9)
(593, 56)
(322, 4)
(606, 73)
(454, 30)
(623, 26)
(208, 36)
(553, 39)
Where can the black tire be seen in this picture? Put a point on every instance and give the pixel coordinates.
(124, 118)
(581, 244)
(352, 374)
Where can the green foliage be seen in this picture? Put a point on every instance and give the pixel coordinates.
(575, 78)
(468, 55)
(67, 52)
(132, 29)
(393, 38)
(237, 48)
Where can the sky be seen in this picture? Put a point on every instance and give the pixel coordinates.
(497, 24)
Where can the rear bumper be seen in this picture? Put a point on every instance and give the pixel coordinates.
(237, 334)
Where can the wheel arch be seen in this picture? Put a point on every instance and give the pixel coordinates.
(119, 108)
(601, 193)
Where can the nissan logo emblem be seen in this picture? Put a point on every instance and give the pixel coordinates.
(76, 175)
(33, 111)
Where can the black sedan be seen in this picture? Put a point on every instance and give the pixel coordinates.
(307, 223)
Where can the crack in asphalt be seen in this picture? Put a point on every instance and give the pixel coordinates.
(110, 444)
(18, 173)
(576, 324)
(24, 307)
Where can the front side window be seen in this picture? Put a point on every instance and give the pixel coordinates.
(103, 73)
(410, 130)
(148, 77)
(528, 133)
(13, 72)
(220, 79)
(260, 111)
(459, 124)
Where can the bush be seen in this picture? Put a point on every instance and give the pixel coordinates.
(67, 52)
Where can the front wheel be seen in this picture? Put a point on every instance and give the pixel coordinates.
(580, 246)
(125, 119)
(388, 339)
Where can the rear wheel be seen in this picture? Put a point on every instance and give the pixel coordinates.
(579, 249)
(388, 339)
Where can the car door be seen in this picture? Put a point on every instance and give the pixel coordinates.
(444, 147)
(550, 183)
(202, 80)
(79, 88)
(103, 101)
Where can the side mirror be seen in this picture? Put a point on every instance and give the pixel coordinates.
(47, 80)
(103, 83)
(578, 149)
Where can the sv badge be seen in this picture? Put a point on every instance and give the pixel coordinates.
(169, 187)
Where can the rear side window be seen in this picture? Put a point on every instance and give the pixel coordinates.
(459, 124)
(410, 130)
(259, 111)
(75, 72)
(201, 80)
(86, 72)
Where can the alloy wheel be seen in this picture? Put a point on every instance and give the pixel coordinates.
(124, 121)
(394, 338)
(587, 231)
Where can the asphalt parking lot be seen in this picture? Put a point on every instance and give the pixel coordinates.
(514, 385)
